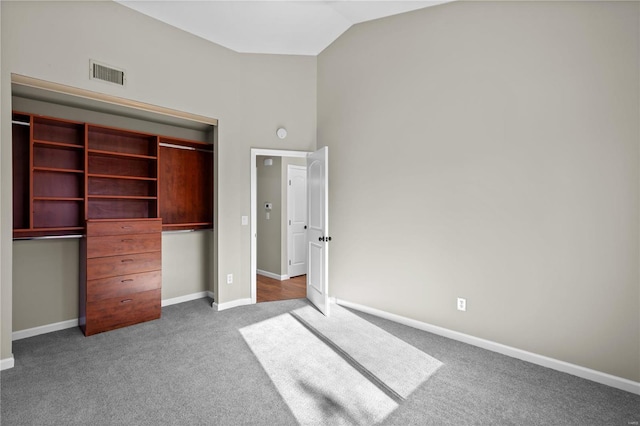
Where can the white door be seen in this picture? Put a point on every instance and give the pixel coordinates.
(318, 232)
(297, 220)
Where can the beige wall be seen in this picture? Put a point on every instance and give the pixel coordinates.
(46, 275)
(165, 67)
(269, 183)
(186, 259)
(491, 151)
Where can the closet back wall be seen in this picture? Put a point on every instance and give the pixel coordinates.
(46, 272)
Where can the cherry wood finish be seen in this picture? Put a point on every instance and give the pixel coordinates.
(122, 174)
(269, 289)
(21, 152)
(122, 244)
(48, 189)
(109, 266)
(122, 311)
(186, 192)
(121, 274)
(66, 172)
(121, 286)
(98, 228)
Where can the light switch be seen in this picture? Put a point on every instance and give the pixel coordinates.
(245, 220)
(268, 215)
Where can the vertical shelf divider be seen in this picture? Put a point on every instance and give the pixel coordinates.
(86, 172)
(31, 165)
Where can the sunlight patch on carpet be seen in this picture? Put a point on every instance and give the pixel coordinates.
(316, 383)
(338, 370)
(394, 362)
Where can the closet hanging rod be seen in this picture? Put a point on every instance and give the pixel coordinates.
(49, 237)
(179, 231)
(188, 148)
(22, 123)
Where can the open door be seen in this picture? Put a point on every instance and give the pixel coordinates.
(318, 221)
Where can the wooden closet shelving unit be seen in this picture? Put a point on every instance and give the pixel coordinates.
(118, 189)
(66, 172)
(122, 174)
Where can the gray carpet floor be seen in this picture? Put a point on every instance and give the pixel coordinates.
(193, 367)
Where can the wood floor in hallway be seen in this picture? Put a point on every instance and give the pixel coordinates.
(270, 290)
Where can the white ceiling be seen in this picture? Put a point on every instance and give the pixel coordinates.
(265, 26)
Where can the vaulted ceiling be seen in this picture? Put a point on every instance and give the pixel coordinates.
(278, 27)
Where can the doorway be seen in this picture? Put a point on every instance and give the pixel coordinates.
(271, 251)
(281, 238)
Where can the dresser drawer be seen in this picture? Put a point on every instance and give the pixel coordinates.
(119, 312)
(104, 267)
(112, 245)
(123, 285)
(96, 228)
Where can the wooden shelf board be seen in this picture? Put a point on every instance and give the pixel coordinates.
(58, 199)
(57, 144)
(97, 175)
(56, 170)
(122, 197)
(57, 228)
(120, 154)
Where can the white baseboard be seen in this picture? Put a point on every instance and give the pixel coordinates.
(232, 304)
(63, 325)
(7, 363)
(186, 298)
(555, 364)
(48, 328)
(272, 275)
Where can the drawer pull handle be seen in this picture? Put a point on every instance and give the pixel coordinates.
(126, 240)
(126, 301)
(126, 227)
(127, 280)
(126, 260)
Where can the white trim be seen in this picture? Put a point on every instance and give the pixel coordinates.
(254, 205)
(43, 329)
(7, 363)
(63, 325)
(555, 364)
(185, 298)
(232, 304)
(108, 99)
(272, 275)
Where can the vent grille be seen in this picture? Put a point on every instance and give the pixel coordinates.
(107, 73)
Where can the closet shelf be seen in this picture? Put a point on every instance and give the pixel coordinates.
(120, 154)
(104, 176)
(121, 197)
(58, 199)
(60, 145)
(56, 170)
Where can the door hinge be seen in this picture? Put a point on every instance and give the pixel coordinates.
(289, 263)
(289, 182)
(289, 223)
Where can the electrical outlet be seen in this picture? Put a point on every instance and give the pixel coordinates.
(462, 304)
(229, 278)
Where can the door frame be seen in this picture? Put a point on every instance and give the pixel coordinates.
(255, 152)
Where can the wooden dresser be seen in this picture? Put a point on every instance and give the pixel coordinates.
(121, 275)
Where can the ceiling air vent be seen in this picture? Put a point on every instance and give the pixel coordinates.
(107, 73)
